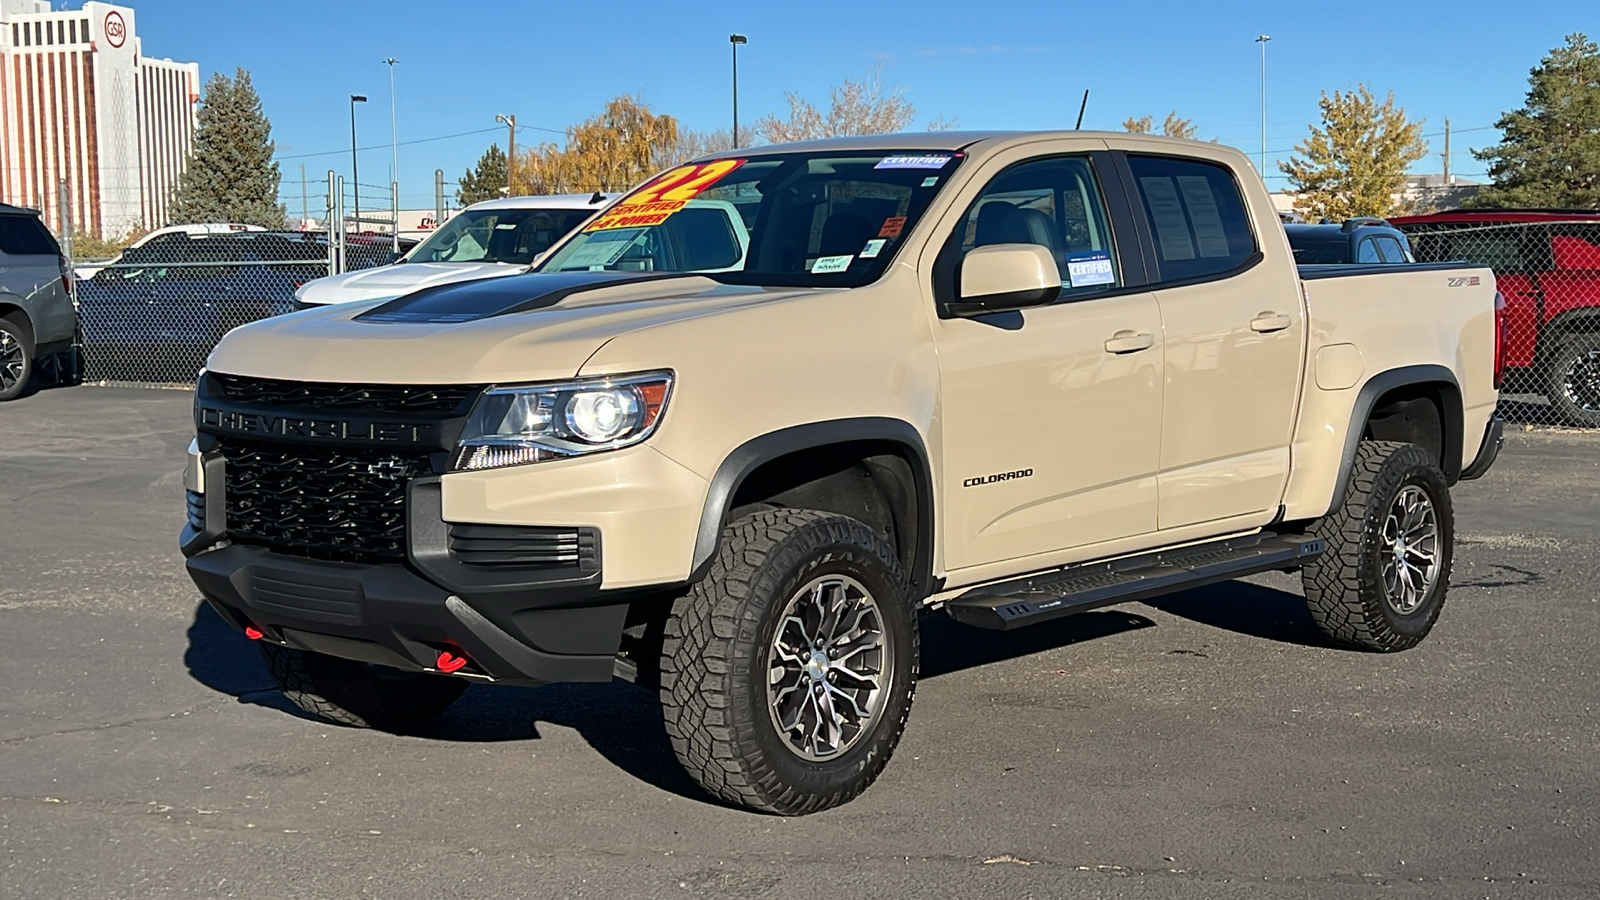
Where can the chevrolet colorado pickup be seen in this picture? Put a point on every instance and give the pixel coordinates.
(1008, 377)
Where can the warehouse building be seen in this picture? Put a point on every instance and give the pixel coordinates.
(81, 103)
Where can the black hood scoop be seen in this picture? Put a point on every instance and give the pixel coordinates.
(469, 301)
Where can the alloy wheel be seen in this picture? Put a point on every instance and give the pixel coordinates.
(1581, 383)
(827, 667)
(13, 362)
(1409, 554)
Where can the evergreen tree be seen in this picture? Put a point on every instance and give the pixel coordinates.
(231, 177)
(1549, 151)
(486, 180)
(1355, 164)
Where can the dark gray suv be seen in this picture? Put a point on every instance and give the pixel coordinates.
(36, 314)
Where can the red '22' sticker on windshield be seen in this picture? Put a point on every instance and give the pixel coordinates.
(672, 191)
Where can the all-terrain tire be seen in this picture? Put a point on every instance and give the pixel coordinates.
(717, 658)
(1345, 587)
(16, 357)
(354, 693)
(1572, 381)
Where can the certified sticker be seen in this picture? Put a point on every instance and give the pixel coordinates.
(917, 161)
(1085, 269)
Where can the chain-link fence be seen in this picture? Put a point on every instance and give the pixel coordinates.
(1549, 272)
(154, 313)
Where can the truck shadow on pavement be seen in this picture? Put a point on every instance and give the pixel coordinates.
(622, 722)
(1252, 610)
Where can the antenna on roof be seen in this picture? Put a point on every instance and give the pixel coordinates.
(597, 198)
(1081, 107)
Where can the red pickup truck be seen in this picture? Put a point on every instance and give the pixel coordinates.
(1547, 264)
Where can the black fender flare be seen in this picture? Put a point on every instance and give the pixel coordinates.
(1453, 416)
(757, 451)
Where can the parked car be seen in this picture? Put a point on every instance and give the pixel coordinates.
(1008, 376)
(88, 270)
(485, 240)
(36, 315)
(1547, 264)
(1360, 240)
(157, 312)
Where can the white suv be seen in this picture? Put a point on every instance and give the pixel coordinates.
(485, 240)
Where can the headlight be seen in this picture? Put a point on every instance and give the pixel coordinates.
(510, 426)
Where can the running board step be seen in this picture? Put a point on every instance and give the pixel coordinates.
(1080, 588)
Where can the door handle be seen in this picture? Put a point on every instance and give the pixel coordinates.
(1130, 342)
(1268, 322)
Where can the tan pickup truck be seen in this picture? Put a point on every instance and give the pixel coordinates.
(732, 436)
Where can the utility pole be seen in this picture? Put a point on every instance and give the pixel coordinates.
(304, 206)
(438, 197)
(1447, 180)
(394, 148)
(355, 172)
(736, 40)
(511, 155)
(1262, 40)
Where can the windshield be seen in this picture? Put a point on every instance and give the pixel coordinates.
(498, 235)
(813, 219)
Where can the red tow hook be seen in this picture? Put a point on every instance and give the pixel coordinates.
(253, 633)
(449, 662)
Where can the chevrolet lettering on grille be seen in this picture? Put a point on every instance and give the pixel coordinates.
(315, 429)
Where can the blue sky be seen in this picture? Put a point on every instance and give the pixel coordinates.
(1010, 65)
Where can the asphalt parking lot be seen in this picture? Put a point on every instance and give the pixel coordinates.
(1207, 745)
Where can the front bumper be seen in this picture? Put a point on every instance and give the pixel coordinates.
(514, 624)
(1493, 439)
(388, 614)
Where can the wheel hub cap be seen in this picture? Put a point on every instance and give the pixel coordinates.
(827, 667)
(1410, 558)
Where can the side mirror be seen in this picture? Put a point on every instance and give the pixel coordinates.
(1002, 277)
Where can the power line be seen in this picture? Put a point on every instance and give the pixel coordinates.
(442, 137)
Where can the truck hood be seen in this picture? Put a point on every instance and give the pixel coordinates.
(523, 328)
(388, 282)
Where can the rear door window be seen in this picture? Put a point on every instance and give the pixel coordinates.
(25, 236)
(1391, 250)
(1367, 252)
(1197, 216)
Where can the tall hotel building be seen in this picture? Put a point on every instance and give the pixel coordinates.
(80, 103)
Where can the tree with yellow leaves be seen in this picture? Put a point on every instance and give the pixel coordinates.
(613, 151)
(1173, 126)
(1355, 164)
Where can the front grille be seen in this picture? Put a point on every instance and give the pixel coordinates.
(319, 502)
(525, 545)
(450, 399)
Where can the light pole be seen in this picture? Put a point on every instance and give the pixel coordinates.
(1262, 40)
(355, 172)
(511, 155)
(736, 40)
(394, 148)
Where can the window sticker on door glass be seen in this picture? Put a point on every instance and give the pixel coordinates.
(873, 248)
(827, 264)
(892, 226)
(1203, 212)
(917, 161)
(1085, 269)
(602, 248)
(1172, 227)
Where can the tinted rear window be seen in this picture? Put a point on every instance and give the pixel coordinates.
(25, 236)
(1196, 214)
